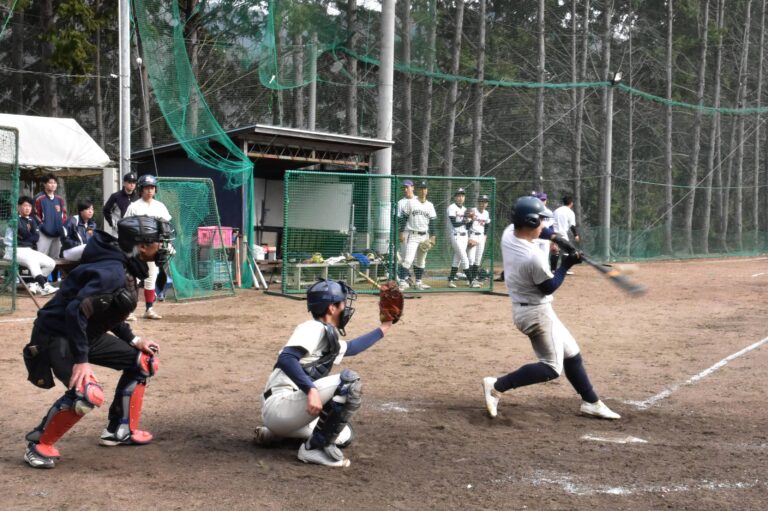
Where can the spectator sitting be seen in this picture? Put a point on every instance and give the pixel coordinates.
(78, 230)
(28, 234)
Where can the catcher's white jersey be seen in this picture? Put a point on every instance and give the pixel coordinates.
(458, 212)
(525, 266)
(480, 221)
(565, 218)
(418, 215)
(155, 209)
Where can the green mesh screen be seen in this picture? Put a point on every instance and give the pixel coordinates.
(9, 195)
(338, 225)
(204, 260)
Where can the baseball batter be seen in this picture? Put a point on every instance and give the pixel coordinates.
(531, 284)
(458, 219)
(301, 398)
(478, 234)
(415, 216)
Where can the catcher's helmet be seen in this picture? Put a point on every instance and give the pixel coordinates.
(146, 180)
(528, 211)
(323, 293)
(142, 229)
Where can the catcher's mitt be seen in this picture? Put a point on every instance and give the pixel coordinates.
(426, 245)
(390, 302)
(471, 243)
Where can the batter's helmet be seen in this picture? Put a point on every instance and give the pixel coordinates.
(528, 211)
(142, 229)
(146, 180)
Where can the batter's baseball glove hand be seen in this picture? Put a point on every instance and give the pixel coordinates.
(471, 243)
(390, 302)
(426, 245)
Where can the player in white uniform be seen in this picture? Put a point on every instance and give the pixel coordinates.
(458, 218)
(147, 205)
(531, 284)
(415, 217)
(565, 224)
(478, 233)
(301, 398)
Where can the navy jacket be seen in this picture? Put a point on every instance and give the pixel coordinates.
(76, 232)
(28, 232)
(101, 271)
(51, 214)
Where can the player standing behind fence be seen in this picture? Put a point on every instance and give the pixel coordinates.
(565, 225)
(414, 217)
(147, 205)
(478, 234)
(458, 218)
(302, 399)
(531, 284)
(118, 202)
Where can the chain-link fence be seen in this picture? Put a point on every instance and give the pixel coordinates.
(9, 194)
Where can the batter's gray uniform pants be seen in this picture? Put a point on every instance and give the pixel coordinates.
(550, 339)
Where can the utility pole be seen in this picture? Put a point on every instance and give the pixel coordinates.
(384, 122)
(606, 220)
(124, 22)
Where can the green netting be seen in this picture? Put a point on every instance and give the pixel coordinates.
(204, 262)
(9, 195)
(339, 224)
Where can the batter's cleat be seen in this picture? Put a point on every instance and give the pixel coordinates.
(421, 285)
(329, 456)
(151, 314)
(599, 410)
(138, 437)
(37, 460)
(451, 283)
(491, 395)
(263, 437)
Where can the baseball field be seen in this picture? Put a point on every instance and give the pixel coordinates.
(685, 365)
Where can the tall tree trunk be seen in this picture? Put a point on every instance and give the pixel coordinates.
(668, 217)
(453, 92)
(477, 120)
(605, 205)
(407, 90)
(538, 170)
(579, 111)
(714, 131)
(630, 145)
(694, 174)
(50, 89)
(725, 203)
(298, 43)
(756, 193)
(352, 89)
(427, 128)
(741, 103)
(18, 61)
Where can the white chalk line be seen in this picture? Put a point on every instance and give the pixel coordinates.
(627, 439)
(758, 274)
(16, 320)
(643, 405)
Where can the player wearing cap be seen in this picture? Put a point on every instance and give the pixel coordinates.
(531, 285)
(459, 218)
(302, 399)
(478, 234)
(117, 204)
(565, 225)
(414, 218)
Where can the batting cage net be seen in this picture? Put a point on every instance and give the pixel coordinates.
(361, 228)
(9, 195)
(204, 262)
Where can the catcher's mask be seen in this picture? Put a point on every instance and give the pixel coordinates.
(528, 212)
(324, 293)
(146, 229)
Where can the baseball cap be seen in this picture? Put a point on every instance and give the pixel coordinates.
(542, 196)
(460, 191)
(130, 177)
(407, 182)
(483, 198)
(422, 184)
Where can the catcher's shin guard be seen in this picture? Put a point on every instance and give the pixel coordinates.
(59, 419)
(337, 412)
(131, 399)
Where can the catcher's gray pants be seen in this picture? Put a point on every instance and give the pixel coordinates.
(550, 339)
(459, 244)
(285, 411)
(411, 252)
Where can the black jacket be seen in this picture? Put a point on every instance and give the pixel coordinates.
(117, 204)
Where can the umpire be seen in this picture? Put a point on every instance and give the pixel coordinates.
(85, 324)
(118, 202)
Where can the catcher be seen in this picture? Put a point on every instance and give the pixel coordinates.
(302, 399)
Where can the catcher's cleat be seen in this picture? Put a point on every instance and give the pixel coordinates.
(263, 437)
(491, 396)
(451, 283)
(137, 437)
(329, 456)
(599, 410)
(151, 314)
(37, 460)
(421, 285)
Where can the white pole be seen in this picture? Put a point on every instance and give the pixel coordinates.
(124, 22)
(384, 122)
(606, 220)
(313, 83)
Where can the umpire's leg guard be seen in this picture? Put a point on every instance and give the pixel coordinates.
(125, 412)
(337, 412)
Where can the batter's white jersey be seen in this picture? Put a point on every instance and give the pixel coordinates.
(418, 215)
(154, 208)
(525, 266)
(565, 218)
(458, 213)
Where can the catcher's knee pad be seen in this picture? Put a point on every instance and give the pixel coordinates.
(88, 396)
(147, 365)
(337, 412)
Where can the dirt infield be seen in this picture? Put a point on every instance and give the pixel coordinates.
(423, 439)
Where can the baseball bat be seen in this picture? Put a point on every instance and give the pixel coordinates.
(615, 277)
(369, 279)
